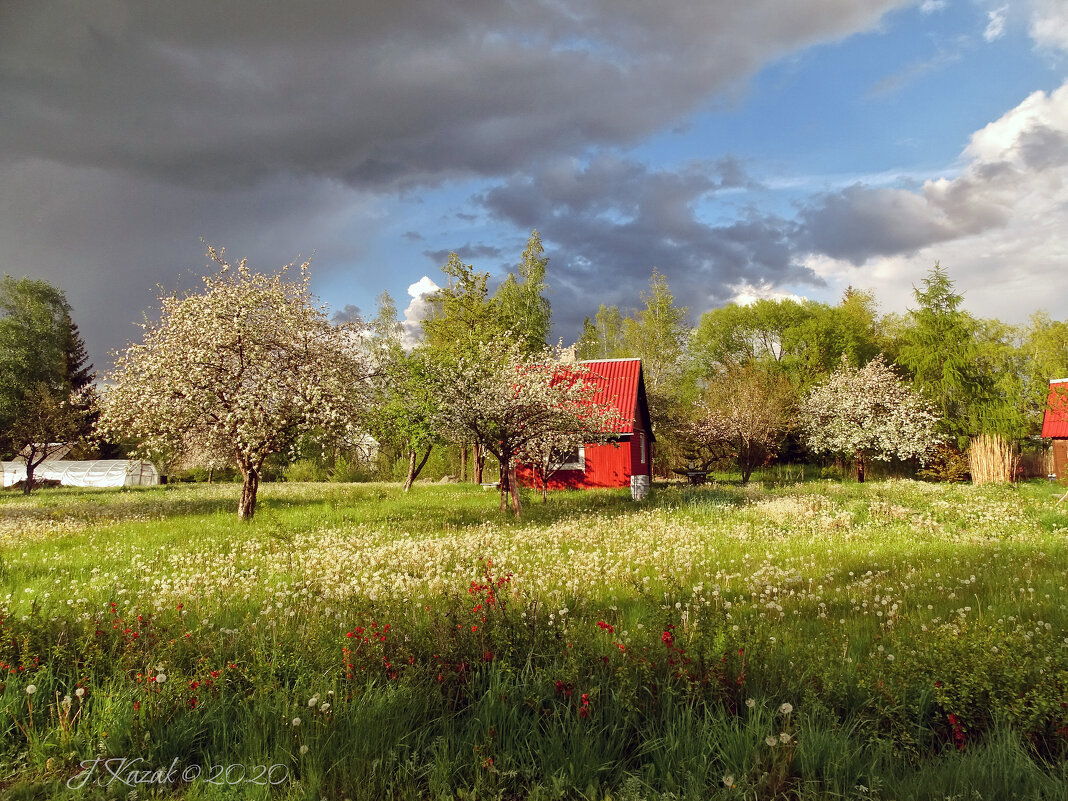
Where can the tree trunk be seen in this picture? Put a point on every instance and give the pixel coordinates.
(246, 508)
(413, 468)
(211, 469)
(745, 462)
(504, 488)
(480, 462)
(860, 469)
(27, 487)
(463, 462)
(513, 484)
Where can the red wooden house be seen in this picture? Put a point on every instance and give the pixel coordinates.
(1055, 425)
(620, 385)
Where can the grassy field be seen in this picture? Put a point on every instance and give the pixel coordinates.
(892, 640)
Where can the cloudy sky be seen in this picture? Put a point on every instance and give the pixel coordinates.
(744, 149)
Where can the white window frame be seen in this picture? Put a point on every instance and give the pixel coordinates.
(580, 464)
(641, 443)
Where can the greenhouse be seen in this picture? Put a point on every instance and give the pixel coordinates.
(96, 473)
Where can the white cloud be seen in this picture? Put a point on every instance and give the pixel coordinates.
(1049, 24)
(931, 6)
(748, 294)
(995, 26)
(1003, 222)
(417, 310)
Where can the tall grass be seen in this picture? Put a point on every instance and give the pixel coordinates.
(993, 460)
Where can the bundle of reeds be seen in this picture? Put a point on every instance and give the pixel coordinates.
(992, 460)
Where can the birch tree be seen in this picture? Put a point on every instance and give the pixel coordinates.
(251, 362)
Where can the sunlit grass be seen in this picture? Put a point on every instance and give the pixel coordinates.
(908, 624)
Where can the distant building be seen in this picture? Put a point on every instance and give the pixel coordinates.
(629, 454)
(1055, 425)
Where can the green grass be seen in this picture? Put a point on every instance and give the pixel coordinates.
(626, 650)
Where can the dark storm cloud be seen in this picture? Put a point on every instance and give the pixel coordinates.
(612, 221)
(111, 241)
(349, 314)
(468, 253)
(132, 128)
(374, 94)
(862, 222)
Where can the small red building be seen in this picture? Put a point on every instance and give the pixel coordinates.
(1055, 425)
(619, 384)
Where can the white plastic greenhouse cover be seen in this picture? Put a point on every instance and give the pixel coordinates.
(98, 473)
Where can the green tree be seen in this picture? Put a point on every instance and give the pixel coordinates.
(46, 421)
(1045, 357)
(462, 312)
(657, 334)
(405, 411)
(804, 341)
(39, 345)
(521, 302)
(602, 337)
(463, 317)
(958, 362)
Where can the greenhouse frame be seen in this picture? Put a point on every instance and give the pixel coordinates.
(96, 473)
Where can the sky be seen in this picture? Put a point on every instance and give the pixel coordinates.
(744, 150)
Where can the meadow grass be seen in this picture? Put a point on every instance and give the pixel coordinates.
(819, 640)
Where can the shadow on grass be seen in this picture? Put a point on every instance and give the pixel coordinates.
(297, 507)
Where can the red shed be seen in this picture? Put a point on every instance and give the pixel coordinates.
(1055, 425)
(619, 384)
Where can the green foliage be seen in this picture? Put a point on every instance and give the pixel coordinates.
(805, 341)
(967, 367)
(39, 346)
(462, 312)
(947, 462)
(1045, 357)
(520, 299)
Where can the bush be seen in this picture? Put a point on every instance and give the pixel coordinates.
(347, 472)
(306, 470)
(948, 464)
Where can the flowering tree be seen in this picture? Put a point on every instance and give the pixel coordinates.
(251, 362)
(516, 406)
(45, 426)
(550, 450)
(744, 416)
(868, 413)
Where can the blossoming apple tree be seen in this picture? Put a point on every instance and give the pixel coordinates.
(868, 413)
(249, 364)
(519, 407)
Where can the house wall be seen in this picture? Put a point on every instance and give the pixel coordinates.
(607, 465)
(1060, 459)
(638, 468)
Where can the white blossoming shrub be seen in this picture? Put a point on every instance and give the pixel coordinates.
(868, 413)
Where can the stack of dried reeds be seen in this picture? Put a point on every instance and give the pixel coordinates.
(992, 460)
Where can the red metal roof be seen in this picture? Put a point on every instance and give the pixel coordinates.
(618, 382)
(1055, 421)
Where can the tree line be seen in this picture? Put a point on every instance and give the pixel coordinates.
(250, 374)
